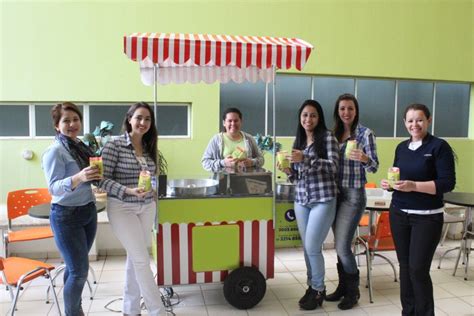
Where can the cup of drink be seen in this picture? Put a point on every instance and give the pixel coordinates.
(144, 180)
(393, 175)
(351, 144)
(282, 158)
(97, 161)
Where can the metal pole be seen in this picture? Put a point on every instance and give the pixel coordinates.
(155, 106)
(274, 144)
(266, 109)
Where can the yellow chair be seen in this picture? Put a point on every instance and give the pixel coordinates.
(16, 271)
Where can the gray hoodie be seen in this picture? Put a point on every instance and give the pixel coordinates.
(213, 158)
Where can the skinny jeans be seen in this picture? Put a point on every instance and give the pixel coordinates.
(350, 207)
(314, 221)
(74, 229)
(132, 224)
(416, 238)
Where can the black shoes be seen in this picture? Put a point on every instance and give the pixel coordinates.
(341, 287)
(313, 299)
(305, 296)
(352, 291)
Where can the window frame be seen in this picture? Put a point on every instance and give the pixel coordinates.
(86, 117)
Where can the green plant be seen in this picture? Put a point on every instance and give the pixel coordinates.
(104, 131)
(162, 164)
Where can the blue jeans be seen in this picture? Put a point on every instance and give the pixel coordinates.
(74, 230)
(350, 207)
(314, 222)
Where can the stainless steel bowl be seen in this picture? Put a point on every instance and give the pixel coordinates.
(285, 191)
(193, 187)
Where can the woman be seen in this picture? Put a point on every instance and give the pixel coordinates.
(351, 198)
(73, 213)
(232, 147)
(130, 208)
(427, 171)
(314, 162)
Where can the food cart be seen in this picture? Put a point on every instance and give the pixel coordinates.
(220, 229)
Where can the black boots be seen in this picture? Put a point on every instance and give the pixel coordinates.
(341, 287)
(347, 289)
(313, 299)
(352, 291)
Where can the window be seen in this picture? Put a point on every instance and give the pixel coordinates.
(381, 103)
(451, 117)
(410, 92)
(14, 120)
(326, 92)
(34, 120)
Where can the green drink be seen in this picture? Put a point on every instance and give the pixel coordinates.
(351, 144)
(282, 158)
(393, 176)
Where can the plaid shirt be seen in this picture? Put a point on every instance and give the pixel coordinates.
(122, 169)
(351, 172)
(316, 177)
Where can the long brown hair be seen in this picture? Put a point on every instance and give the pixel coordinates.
(150, 139)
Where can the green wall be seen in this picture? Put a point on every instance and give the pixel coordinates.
(72, 50)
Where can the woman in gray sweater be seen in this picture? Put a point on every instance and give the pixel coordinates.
(232, 147)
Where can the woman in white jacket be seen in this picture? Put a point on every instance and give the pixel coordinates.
(231, 147)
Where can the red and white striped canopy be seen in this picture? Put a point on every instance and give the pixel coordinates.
(209, 58)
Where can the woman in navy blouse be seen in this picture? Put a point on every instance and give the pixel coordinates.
(314, 162)
(427, 171)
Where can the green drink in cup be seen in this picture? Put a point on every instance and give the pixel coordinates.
(393, 176)
(351, 144)
(282, 158)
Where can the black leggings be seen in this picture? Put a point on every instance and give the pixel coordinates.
(416, 238)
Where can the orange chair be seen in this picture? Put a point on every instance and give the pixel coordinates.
(364, 220)
(18, 204)
(15, 271)
(381, 241)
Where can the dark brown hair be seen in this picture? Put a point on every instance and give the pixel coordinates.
(58, 110)
(338, 124)
(417, 107)
(150, 139)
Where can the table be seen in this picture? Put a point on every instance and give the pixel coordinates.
(378, 200)
(465, 199)
(43, 210)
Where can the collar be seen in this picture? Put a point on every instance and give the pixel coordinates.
(425, 139)
(128, 140)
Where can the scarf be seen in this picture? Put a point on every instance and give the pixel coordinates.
(77, 149)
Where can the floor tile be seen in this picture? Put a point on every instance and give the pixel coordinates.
(454, 306)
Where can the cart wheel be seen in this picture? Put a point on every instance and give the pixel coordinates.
(244, 287)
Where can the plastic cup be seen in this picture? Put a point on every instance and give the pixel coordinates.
(282, 158)
(97, 161)
(393, 175)
(144, 180)
(351, 144)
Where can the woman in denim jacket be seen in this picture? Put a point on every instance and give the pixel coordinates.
(73, 213)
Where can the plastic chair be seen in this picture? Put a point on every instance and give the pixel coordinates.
(18, 204)
(381, 241)
(16, 271)
(364, 220)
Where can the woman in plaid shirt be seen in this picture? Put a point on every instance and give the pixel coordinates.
(351, 198)
(314, 163)
(132, 209)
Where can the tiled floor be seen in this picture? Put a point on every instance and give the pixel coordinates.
(453, 295)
